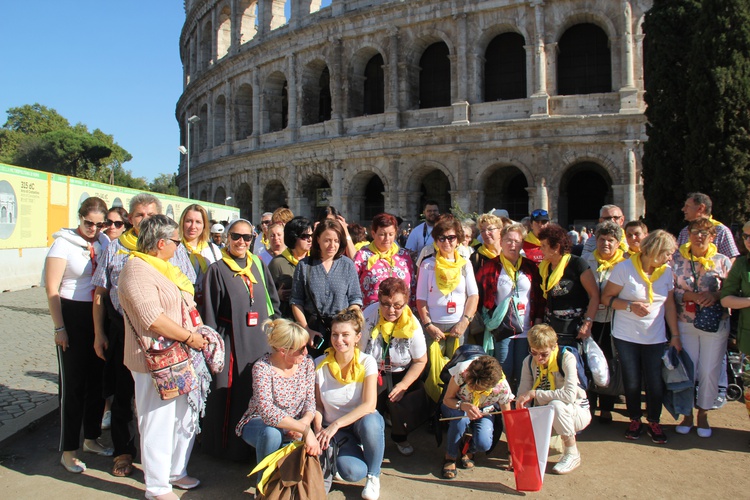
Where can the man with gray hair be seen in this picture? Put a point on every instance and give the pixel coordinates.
(699, 205)
(109, 340)
(261, 240)
(606, 213)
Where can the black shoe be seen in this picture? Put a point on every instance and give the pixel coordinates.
(634, 430)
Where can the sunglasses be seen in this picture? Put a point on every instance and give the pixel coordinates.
(237, 236)
(745, 236)
(176, 242)
(117, 223)
(90, 224)
(265, 222)
(306, 236)
(540, 214)
(451, 238)
(613, 218)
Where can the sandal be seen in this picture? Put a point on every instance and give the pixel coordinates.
(123, 466)
(467, 461)
(448, 471)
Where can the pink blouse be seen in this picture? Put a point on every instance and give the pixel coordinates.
(370, 279)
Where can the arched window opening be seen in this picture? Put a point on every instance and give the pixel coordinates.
(374, 86)
(435, 77)
(505, 68)
(584, 61)
(243, 109)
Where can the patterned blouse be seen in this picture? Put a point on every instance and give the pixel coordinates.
(276, 397)
(370, 279)
(708, 280)
(501, 393)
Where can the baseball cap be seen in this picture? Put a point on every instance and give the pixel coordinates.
(217, 229)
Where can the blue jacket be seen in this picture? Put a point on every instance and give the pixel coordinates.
(679, 398)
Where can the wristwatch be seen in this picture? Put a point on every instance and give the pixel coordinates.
(470, 318)
(458, 404)
(628, 309)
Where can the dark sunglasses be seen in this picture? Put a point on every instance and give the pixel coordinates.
(450, 238)
(745, 236)
(117, 223)
(540, 214)
(265, 222)
(306, 236)
(176, 242)
(90, 224)
(237, 236)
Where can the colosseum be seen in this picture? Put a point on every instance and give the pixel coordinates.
(378, 105)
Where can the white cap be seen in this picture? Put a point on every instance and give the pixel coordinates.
(500, 212)
(217, 229)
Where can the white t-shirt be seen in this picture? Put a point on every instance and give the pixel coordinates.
(76, 281)
(627, 325)
(339, 399)
(521, 298)
(437, 303)
(401, 351)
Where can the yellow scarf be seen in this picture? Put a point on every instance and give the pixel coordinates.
(403, 328)
(549, 370)
(270, 464)
(633, 252)
(170, 271)
(554, 279)
(195, 254)
(361, 244)
(638, 265)
(705, 261)
(714, 221)
(265, 241)
(290, 257)
(447, 273)
(604, 264)
(623, 242)
(510, 269)
(531, 238)
(487, 252)
(476, 396)
(356, 369)
(129, 240)
(247, 271)
(378, 255)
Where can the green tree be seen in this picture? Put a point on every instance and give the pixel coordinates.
(35, 119)
(164, 183)
(64, 151)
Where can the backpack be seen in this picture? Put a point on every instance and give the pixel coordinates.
(583, 379)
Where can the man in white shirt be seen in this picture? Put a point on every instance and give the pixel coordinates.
(421, 236)
(607, 212)
(262, 240)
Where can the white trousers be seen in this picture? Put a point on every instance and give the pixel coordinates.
(167, 435)
(707, 350)
(569, 418)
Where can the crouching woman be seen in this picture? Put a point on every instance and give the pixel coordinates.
(543, 382)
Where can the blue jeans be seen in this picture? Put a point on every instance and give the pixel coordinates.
(642, 362)
(264, 438)
(511, 353)
(482, 430)
(355, 463)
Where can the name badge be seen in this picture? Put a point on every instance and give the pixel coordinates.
(252, 319)
(195, 317)
(521, 308)
(450, 308)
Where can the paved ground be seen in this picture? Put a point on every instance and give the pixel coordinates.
(687, 467)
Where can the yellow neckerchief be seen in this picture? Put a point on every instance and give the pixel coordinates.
(447, 273)
(714, 221)
(607, 264)
(705, 261)
(624, 243)
(554, 279)
(361, 244)
(170, 271)
(510, 269)
(549, 370)
(195, 253)
(638, 265)
(265, 241)
(129, 240)
(477, 395)
(356, 372)
(487, 252)
(378, 255)
(403, 328)
(531, 238)
(290, 257)
(270, 464)
(633, 252)
(229, 261)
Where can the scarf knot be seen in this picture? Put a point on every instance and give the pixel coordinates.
(608, 264)
(238, 271)
(448, 273)
(402, 328)
(378, 255)
(547, 372)
(706, 261)
(354, 373)
(638, 265)
(168, 270)
(550, 281)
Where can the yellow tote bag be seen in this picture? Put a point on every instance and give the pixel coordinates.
(433, 385)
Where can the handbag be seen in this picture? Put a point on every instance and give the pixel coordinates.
(509, 326)
(616, 385)
(709, 318)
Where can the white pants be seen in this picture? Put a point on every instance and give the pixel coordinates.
(167, 435)
(569, 418)
(707, 350)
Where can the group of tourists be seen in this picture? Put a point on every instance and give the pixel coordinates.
(326, 340)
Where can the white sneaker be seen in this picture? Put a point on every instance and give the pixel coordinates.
(568, 463)
(372, 488)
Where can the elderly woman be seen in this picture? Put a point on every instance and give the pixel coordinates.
(346, 393)
(698, 271)
(297, 243)
(569, 287)
(641, 290)
(394, 338)
(324, 283)
(550, 377)
(736, 294)
(194, 228)
(490, 226)
(239, 297)
(476, 387)
(116, 223)
(447, 293)
(157, 299)
(275, 243)
(283, 404)
(70, 263)
(382, 259)
(510, 285)
(602, 260)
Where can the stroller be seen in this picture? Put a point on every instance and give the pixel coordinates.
(735, 368)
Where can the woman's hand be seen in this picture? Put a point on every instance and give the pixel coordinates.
(705, 299)
(196, 341)
(459, 328)
(324, 436)
(397, 393)
(61, 339)
(435, 332)
(471, 411)
(315, 337)
(584, 331)
(640, 309)
(523, 399)
(312, 446)
(676, 342)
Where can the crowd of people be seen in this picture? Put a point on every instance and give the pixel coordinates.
(328, 332)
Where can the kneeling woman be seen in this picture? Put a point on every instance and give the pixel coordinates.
(544, 383)
(283, 404)
(474, 386)
(346, 395)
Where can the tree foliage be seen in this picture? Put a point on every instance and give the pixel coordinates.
(164, 183)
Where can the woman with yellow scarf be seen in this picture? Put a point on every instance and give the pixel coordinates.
(602, 261)
(194, 231)
(447, 293)
(698, 273)
(298, 235)
(394, 338)
(641, 290)
(346, 382)
(382, 259)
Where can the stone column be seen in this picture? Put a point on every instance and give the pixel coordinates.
(214, 39)
(234, 16)
(338, 197)
(292, 92)
(337, 77)
(540, 97)
(392, 104)
(264, 17)
(256, 118)
(390, 198)
(458, 63)
(628, 92)
(228, 117)
(209, 121)
(629, 188)
(257, 195)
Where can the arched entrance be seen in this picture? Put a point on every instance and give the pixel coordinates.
(584, 188)
(316, 194)
(505, 188)
(274, 196)
(435, 186)
(220, 196)
(244, 201)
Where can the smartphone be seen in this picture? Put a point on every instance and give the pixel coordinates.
(320, 344)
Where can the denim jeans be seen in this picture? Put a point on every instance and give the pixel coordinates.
(642, 361)
(264, 438)
(355, 463)
(510, 353)
(482, 430)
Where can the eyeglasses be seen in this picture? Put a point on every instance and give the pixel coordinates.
(395, 307)
(745, 236)
(489, 229)
(237, 236)
(265, 222)
(90, 224)
(298, 352)
(542, 354)
(613, 218)
(703, 233)
(117, 223)
(306, 236)
(451, 238)
(176, 242)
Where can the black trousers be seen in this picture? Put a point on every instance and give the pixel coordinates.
(410, 412)
(120, 381)
(81, 373)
